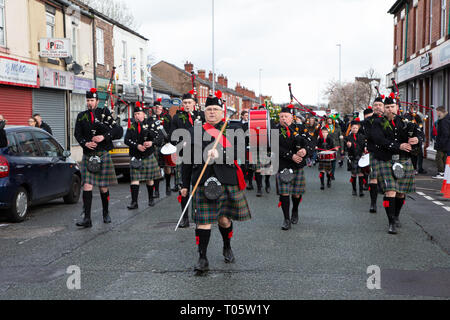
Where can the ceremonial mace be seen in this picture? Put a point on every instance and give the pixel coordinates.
(204, 169)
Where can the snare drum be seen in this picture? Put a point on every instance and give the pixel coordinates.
(170, 160)
(327, 156)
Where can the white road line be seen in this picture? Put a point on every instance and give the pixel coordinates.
(429, 198)
(438, 203)
(4, 225)
(447, 208)
(421, 194)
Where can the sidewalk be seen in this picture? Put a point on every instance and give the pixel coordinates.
(429, 210)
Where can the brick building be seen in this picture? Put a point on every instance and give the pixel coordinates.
(422, 54)
(180, 79)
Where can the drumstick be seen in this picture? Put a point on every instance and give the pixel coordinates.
(203, 172)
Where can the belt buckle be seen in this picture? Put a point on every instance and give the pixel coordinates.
(396, 157)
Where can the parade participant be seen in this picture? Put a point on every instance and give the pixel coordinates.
(41, 124)
(213, 205)
(367, 114)
(417, 155)
(161, 116)
(395, 139)
(336, 134)
(378, 112)
(3, 139)
(313, 129)
(185, 118)
(247, 167)
(292, 160)
(325, 143)
(141, 138)
(95, 130)
(355, 145)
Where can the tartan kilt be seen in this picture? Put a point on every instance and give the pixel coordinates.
(353, 166)
(325, 166)
(296, 187)
(373, 167)
(389, 183)
(107, 176)
(231, 204)
(149, 171)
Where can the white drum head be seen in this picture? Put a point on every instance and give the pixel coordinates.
(364, 161)
(168, 149)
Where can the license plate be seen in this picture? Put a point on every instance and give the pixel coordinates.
(117, 151)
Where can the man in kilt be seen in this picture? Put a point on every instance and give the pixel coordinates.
(378, 112)
(325, 143)
(220, 197)
(161, 117)
(355, 145)
(395, 138)
(141, 139)
(246, 166)
(95, 130)
(292, 159)
(185, 118)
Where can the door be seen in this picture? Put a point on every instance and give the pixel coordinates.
(58, 177)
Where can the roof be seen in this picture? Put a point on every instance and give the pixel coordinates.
(161, 86)
(397, 6)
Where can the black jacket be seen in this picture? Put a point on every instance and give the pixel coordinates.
(3, 139)
(443, 137)
(367, 127)
(181, 120)
(136, 135)
(388, 137)
(46, 127)
(290, 143)
(356, 151)
(225, 173)
(327, 144)
(104, 125)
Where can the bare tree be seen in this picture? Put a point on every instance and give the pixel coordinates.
(116, 10)
(348, 97)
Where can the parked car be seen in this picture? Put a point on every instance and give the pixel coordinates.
(120, 156)
(35, 169)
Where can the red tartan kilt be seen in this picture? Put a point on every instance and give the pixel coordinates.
(170, 160)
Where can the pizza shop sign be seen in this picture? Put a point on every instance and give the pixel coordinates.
(55, 48)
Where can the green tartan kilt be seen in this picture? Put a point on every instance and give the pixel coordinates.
(296, 187)
(231, 204)
(107, 177)
(389, 183)
(373, 167)
(149, 171)
(325, 166)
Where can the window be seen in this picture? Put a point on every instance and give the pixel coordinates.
(13, 148)
(100, 47)
(2, 23)
(124, 59)
(50, 147)
(27, 144)
(443, 17)
(74, 43)
(50, 19)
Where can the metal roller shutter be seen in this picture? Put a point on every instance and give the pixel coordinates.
(16, 104)
(51, 105)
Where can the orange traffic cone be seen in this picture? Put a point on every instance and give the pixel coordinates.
(446, 185)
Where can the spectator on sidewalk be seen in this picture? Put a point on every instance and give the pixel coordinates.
(41, 124)
(442, 144)
(3, 140)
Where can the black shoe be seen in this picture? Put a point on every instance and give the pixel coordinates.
(106, 218)
(156, 195)
(250, 187)
(228, 255)
(341, 163)
(422, 171)
(86, 223)
(133, 206)
(184, 223)
(373, 208)
(151, 202)
(392, 229)
(354, 193)
(322, 187)
(168, 192)
(329, 184)
(361, 194)
(397, 223)
(268, 189)
(294, 218)
(259, 193)
(202, 265)
(287, 225)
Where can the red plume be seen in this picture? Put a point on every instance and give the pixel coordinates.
(192, 92)
(159, 100)
(138, 104)
(93, 90)
(182, 109)
(291, 106)
(358, 119)
(383, 97)
(218, 94)
(392, 95)
(369, 107)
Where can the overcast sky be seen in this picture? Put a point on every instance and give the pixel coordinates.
(290, 40)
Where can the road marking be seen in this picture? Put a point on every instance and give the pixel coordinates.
(4, 225)
(429, 198)
(421, 194)
(447, 208)
(438, 203)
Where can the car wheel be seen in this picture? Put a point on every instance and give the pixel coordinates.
(19, 206)
(75, 191)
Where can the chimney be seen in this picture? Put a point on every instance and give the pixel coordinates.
(221, 80)
(189, 67)
(202, 74)
(211, 76)
(225, 81)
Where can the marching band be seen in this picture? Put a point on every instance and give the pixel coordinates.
(380, 151)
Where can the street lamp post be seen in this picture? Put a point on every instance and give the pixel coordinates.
(213, 66)
(340, 63)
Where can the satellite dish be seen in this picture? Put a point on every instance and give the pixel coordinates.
(76, 68)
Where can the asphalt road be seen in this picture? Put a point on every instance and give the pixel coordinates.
(139, 256)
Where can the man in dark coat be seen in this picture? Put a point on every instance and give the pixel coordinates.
(442, 144)
(3, 139)
(41, 124)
